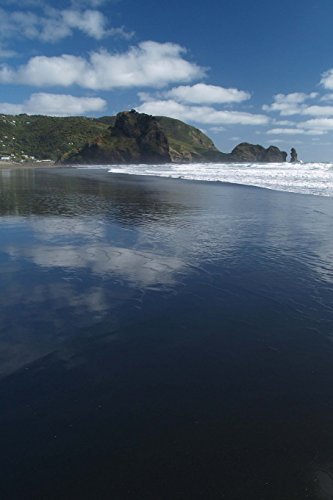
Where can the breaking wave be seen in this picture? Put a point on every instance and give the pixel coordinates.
(305, 178)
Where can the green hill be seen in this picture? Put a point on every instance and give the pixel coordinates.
(187, 142)
(45, 136)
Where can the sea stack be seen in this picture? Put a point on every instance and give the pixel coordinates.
(293, 156)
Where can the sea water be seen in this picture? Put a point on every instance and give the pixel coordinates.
(305, 178)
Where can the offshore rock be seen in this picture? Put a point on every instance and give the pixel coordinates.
(246, 152)
(293, 156)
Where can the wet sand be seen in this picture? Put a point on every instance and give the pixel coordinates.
(27, 164)
(163, 339)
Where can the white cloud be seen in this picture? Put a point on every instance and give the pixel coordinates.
(200, 114)
(55, 24)
(286, 142)
(202, 93)
(327, 97)
(318, 111)
(91, 22)
(90, 3)
(289, 104)
(18, 23)
(319, 124)
(294, 131)
(327, 80)
(148, 64)
(217, 129)
(294, 104)
(24, 3)
(6, 53)
(283, 122)
(55, 105)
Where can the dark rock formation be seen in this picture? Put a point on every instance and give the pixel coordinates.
(246, 152)
(293, 156)
(152, 143)
(274, 155)
(134, 138)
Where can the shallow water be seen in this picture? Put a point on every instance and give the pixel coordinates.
(163, 339)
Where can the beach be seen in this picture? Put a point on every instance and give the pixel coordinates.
(163, 338)
(27, 164)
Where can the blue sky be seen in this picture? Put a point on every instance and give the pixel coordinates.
(254, 71)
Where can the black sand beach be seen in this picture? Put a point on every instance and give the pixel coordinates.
(163, 339)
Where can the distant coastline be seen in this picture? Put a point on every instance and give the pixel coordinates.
(127, 138)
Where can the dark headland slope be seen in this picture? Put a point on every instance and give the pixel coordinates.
(128, 137)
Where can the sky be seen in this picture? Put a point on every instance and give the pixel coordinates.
(240, 71)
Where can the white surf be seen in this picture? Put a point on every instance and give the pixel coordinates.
(305, 178)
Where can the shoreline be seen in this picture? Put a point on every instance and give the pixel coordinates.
(27, 164)
(97, 171)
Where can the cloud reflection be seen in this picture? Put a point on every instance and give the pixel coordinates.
(35, 319)
(90, 284)
(64, 275)
(140, 268)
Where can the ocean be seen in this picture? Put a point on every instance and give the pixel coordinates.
(166, 338)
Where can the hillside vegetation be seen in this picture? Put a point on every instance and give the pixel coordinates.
(45, 137)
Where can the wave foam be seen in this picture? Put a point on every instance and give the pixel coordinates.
(305, 178)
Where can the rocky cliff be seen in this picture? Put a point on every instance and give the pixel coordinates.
(134, 138)
(139, 138)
